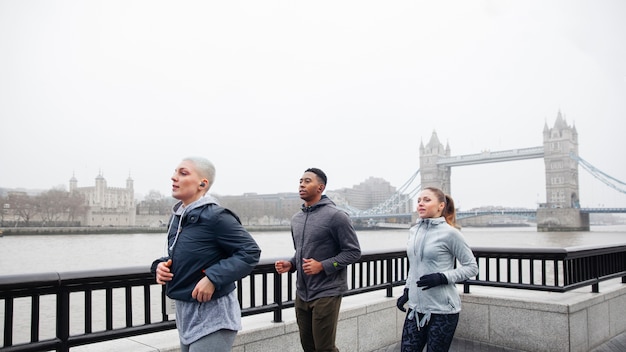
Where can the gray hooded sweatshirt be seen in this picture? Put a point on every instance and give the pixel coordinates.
(324, 233)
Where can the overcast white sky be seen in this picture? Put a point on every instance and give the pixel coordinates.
(266, 89)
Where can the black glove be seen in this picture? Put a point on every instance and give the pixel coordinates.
(402, 300)
(432, 280)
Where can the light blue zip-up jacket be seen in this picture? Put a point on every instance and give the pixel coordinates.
(433, 247)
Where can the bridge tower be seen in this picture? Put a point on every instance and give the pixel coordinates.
(433, 174)
(561, 212)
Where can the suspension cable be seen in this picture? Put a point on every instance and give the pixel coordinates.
(595, 172)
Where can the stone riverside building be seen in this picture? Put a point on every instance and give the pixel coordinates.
(107, 206)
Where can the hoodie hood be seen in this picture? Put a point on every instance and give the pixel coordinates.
(179, 209)
(323, 201)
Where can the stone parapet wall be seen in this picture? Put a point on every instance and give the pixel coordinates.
(575, 321)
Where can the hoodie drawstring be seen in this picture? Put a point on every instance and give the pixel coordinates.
(180, 222)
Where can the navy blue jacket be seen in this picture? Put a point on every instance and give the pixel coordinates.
(211, 242)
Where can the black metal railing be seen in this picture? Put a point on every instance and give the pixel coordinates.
(57, 311)
(548, 269)
(94, 306)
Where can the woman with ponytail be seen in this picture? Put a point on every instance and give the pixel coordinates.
(435, 245)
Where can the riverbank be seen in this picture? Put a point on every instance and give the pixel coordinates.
(112, 230)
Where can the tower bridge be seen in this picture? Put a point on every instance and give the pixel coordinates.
(492, 157)
(561, 212)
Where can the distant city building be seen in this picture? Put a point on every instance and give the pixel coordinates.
(263, 209)
(277, 209)
(369, 194)
(107, 206)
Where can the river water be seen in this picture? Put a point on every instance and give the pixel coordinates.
(62, 253)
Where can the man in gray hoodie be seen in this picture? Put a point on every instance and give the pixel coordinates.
(325, 244)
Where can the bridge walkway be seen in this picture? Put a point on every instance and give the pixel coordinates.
(616, 344)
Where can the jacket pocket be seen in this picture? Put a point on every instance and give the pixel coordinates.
(451, 305)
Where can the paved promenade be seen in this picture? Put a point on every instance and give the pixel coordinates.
(458, 345)
(616, 344)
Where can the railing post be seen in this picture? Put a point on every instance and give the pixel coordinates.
(278, 298)
(63, 318)
(389, 263)
(466, 287)
(595, 288)
(108, 307)
(34, 317)
(164, 315)
(8, 321)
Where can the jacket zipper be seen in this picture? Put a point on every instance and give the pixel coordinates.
(306, 288)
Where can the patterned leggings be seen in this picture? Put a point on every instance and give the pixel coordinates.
(437, 333)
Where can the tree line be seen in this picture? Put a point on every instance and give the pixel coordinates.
(49, 207)
(58, 207)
